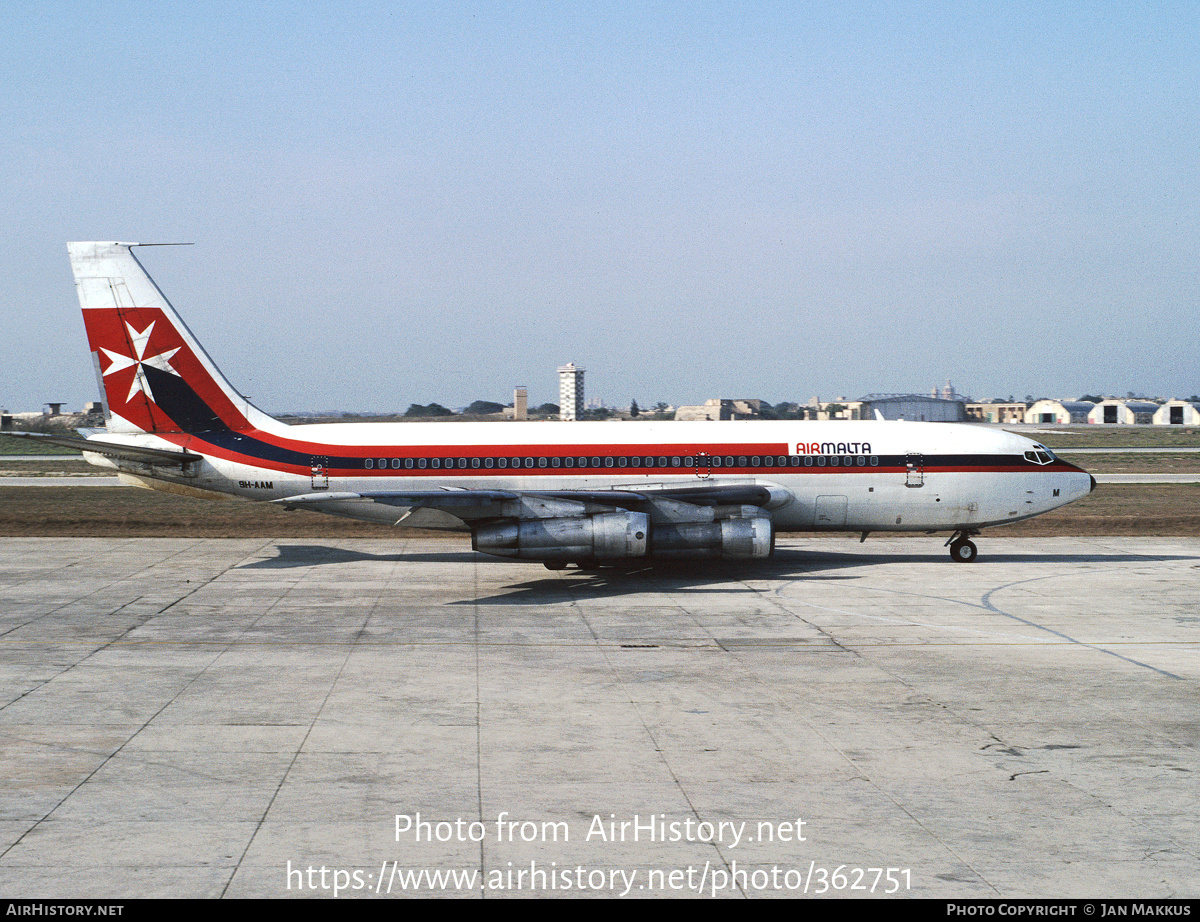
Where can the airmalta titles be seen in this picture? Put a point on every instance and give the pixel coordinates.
(833, 448)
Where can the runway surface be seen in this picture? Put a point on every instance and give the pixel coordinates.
(265, 718)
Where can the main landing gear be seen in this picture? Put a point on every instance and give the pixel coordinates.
(962, 548)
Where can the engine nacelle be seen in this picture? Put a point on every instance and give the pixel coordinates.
(739, 537)
(607, 536)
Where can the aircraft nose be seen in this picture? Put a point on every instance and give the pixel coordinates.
(1093, 484)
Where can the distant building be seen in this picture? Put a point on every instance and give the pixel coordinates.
(1123, 412)
(722, 408)
(710, 409)
(570, 391)
(1178, 413)
(945, 393)
(520, 403)
(998, 412)
(914, 407)
(1058, 412)
(843, 409)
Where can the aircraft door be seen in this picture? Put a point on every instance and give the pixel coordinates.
(703, 465)
(320, 473)
(915, 470)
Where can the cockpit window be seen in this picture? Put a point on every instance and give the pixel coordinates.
(1039, 456)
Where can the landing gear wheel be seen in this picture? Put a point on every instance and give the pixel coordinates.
(963, 551)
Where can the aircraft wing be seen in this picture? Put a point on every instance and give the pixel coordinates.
(558, 526)
(155, 457)
(475, 507)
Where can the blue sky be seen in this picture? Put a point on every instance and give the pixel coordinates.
(396, 203)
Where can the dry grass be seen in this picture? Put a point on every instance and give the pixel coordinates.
(122, 512)
(1068, 437)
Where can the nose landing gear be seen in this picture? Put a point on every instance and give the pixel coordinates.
(962, 548)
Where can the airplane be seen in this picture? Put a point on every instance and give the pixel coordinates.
(560, 493)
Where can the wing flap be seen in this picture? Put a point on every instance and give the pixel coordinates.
(470, 507)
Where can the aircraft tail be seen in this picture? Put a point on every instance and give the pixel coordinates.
(154, 376)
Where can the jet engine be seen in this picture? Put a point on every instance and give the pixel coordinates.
(606, 536)
(738, 537)
(623, 535)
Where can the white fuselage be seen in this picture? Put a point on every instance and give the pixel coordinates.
(839, 476)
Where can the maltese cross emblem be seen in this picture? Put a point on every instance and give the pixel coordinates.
(119, 362)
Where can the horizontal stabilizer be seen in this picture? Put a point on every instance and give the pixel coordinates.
(158, 457)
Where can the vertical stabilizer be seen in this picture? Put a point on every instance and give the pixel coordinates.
(155, 376)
